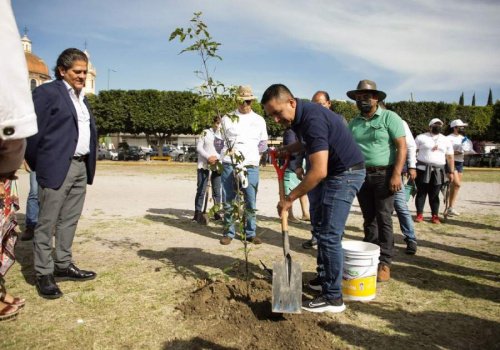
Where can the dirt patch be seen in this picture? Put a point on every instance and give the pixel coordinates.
(153, 263)
(238, 321)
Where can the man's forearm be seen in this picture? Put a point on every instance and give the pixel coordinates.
(400, 155)
(451, 163)
(293, 147)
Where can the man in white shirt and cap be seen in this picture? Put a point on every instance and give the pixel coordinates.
(245, 135)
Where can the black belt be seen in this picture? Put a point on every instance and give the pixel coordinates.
(80, 158)
(358, 166)
(371, 169)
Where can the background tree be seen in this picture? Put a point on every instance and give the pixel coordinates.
(494, 129)
(110, 111)
(161, 113)
(461, 100)
(347, 109)
(490, 99)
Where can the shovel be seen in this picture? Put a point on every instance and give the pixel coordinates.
(287, 275)
(203, 219)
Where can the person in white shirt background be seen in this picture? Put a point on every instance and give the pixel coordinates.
(400, 203)
(209, 146)
(244, 135)
(461, 145)
(17, 121)
(434, 150)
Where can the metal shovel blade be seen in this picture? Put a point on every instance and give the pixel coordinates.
(287, 287)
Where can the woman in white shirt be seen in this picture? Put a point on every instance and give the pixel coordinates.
(209, 148)
(461, 145)
(433, 151)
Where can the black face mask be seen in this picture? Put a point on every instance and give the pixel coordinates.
(436, 130)
(364, 106)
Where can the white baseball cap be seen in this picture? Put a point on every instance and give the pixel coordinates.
(435, 120)
(457, 122)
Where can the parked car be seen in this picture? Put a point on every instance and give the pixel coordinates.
(111, 154)
(191, 155)
(491, 159)
(176, 154)
(146, 152)
(101, 153)
(129, 153)
(472, 159)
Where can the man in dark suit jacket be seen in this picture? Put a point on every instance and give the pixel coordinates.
(63, 154)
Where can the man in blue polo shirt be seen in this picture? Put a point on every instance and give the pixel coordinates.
(336, 164)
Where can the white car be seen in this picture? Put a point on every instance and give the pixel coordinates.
(111, 154)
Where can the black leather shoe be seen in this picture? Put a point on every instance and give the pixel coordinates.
(28, 234)
(73, 273)
(47, 287)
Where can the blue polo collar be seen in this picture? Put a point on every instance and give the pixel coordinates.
(298, 112)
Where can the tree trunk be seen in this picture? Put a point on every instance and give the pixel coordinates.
(161, 141)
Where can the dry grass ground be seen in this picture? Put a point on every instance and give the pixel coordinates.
(137, 234)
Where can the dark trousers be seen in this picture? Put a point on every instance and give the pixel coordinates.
(427, 189)
(377, 204)
(201, 188)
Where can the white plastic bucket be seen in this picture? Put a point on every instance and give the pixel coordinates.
(359, 278)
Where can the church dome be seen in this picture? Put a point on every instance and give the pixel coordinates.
(36, 64)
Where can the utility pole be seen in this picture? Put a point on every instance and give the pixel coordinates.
(109, 71)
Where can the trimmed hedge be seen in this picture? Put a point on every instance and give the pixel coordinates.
(484, 122)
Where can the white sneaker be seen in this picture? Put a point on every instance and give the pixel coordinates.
(452, 212)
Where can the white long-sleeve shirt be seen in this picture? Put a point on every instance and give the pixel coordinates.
(209, 144)
(411, 146)
(17, 114)
(247, 135)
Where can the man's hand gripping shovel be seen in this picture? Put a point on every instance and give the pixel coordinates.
(287, 275)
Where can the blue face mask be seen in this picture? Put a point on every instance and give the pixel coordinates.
(364, 106)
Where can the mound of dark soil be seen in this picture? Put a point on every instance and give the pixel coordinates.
(231, 320)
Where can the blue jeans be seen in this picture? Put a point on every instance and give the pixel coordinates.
(250, 195)
(337, 195)
(202, 188)
(404, 215)
(32, 202)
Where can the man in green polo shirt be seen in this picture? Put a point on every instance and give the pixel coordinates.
(381, 136)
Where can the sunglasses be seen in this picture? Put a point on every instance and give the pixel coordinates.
(246, 102)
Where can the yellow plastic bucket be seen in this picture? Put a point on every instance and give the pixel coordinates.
(359, 278)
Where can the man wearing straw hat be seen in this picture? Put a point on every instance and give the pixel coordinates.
(381, 137)
(245, 136)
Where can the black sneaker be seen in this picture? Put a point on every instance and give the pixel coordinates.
(411, 247)
(310, 243)
(316, 284)
(320, 304)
